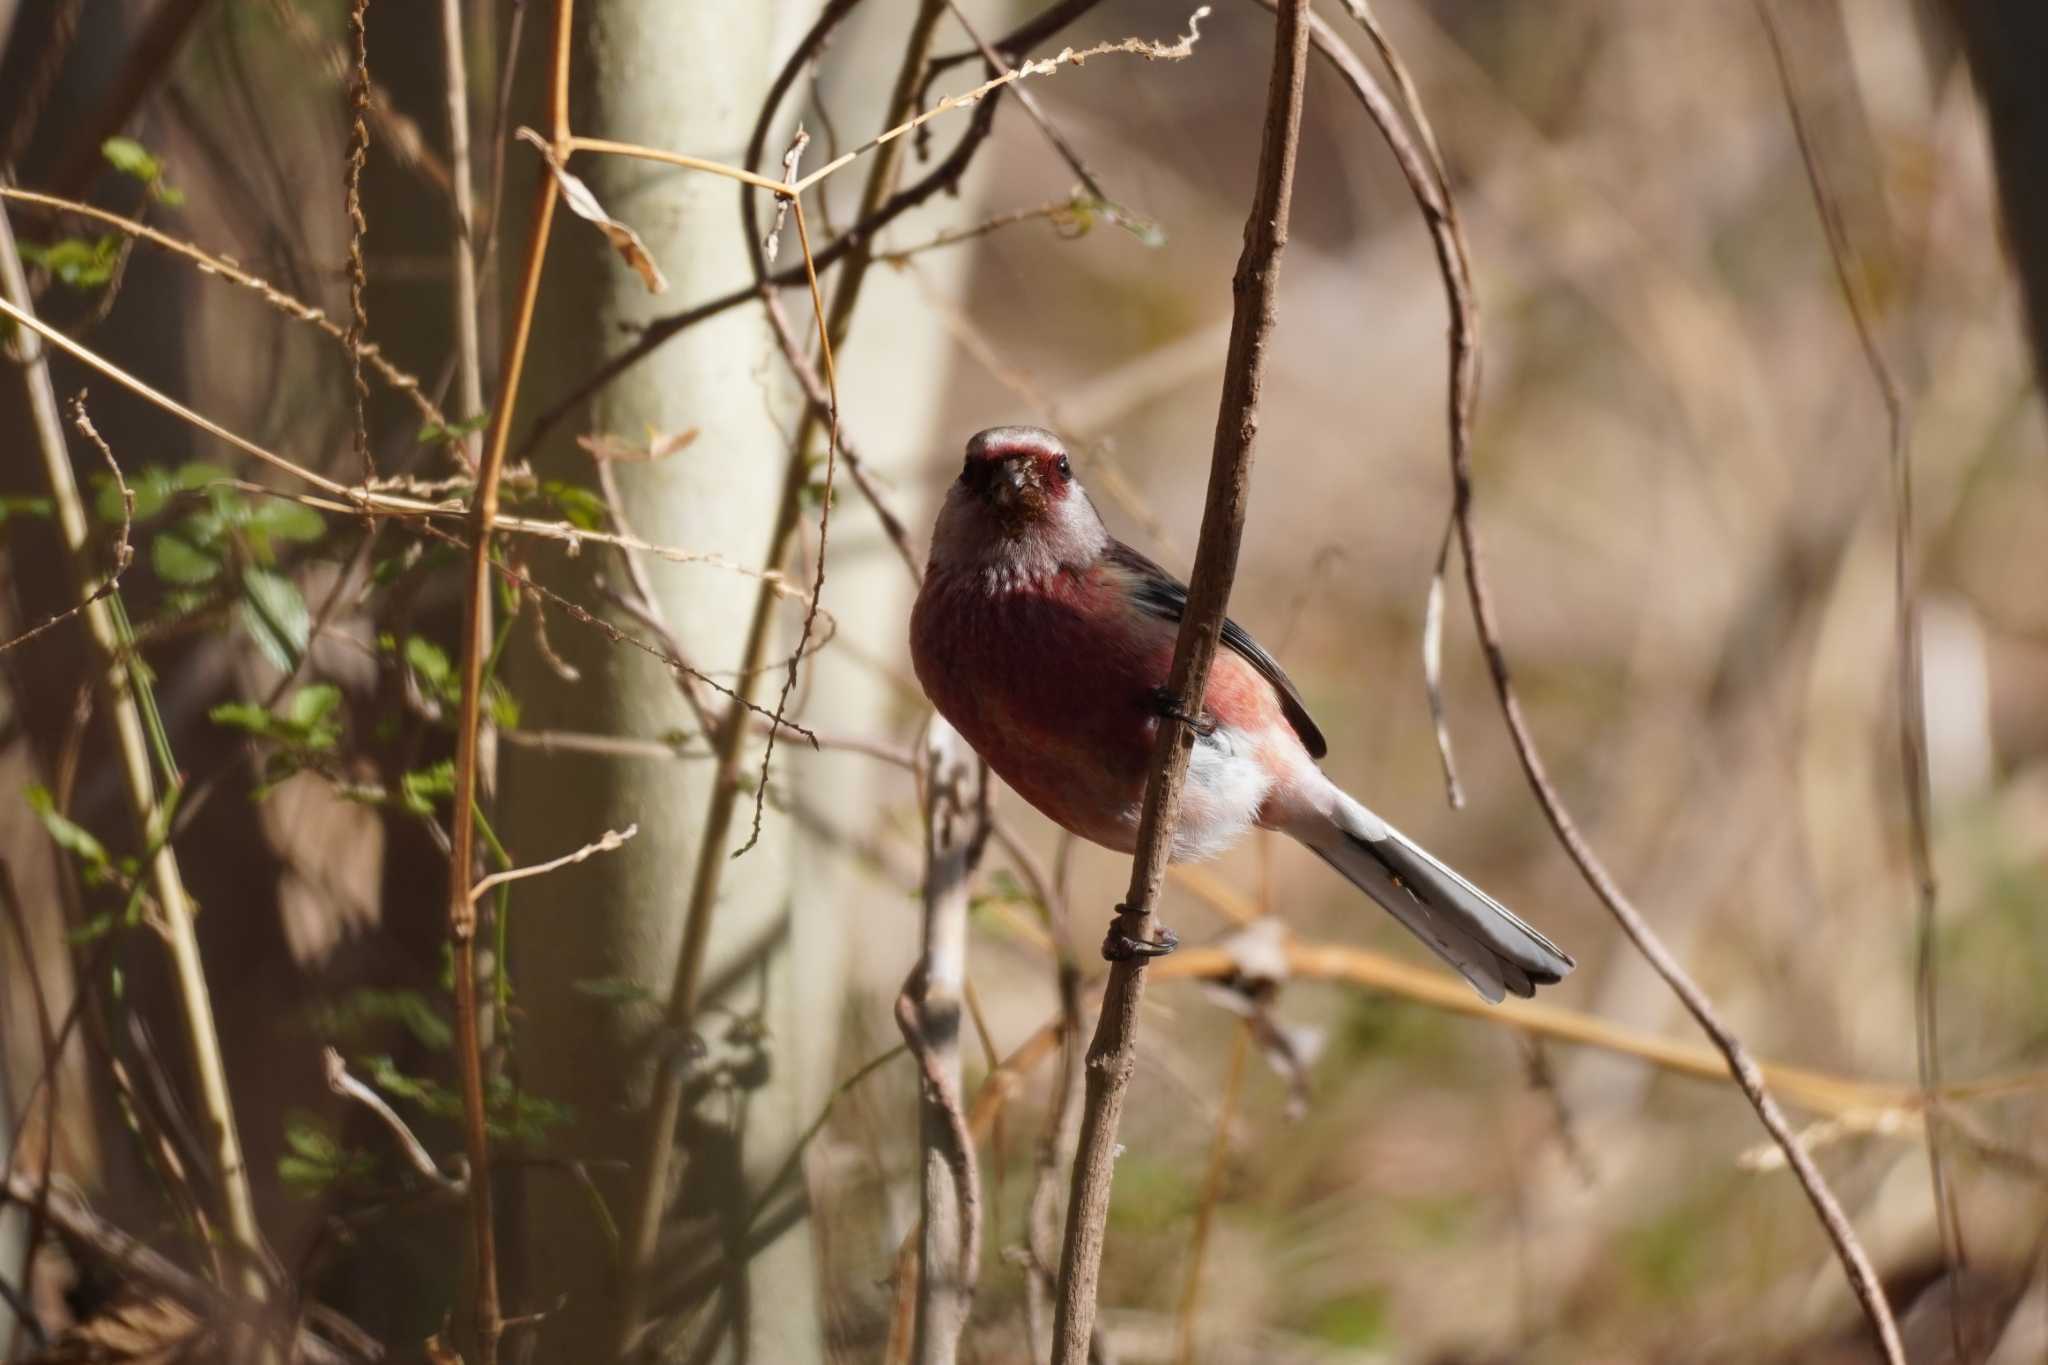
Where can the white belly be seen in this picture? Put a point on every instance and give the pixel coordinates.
(1227, 784)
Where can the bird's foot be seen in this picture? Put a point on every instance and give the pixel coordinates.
(1117, 946)
(1167, 706)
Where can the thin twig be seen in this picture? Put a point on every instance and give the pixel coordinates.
(124, 552)
(349, 1088)
(1912, 700)
(609, 842)
(928, 1011)
(1113, 1054)
(941, 178)
(126, 694)
(226, 269)
(1432, 194)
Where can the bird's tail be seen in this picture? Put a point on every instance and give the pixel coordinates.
(1488, 944)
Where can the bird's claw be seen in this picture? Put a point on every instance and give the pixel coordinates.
(1167, 706)
(1118, 946)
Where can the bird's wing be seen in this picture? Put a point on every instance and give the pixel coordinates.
(1165, 596)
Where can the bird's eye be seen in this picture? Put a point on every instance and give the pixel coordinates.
(1066, 470)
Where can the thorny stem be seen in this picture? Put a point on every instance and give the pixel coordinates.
(126, 695)
(352, 185)
(476, 644)
(1113, 1054)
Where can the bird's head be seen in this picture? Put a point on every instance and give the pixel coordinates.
(1017, 503)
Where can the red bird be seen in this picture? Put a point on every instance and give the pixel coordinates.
(1046, 642)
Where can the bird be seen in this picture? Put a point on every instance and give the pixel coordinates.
(1046, 642)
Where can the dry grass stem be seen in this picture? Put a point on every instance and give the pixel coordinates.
(122, 684)
(1907, 656)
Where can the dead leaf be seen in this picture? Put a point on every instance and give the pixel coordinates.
(583, 204)
(605, 446)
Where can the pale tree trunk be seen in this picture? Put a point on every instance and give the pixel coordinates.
(690, 77)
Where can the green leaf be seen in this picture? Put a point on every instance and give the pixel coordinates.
(177, 559)
(75, 261)
(430, 661)
(583, 508)
(275, 616)
(616, 990)
(352, 1015)
(245, 716)
(308, 721)
(93, 930)
(68, 835)
(317, 1160)
(130, 157)
(152, 487)
(453, 431)
(14, 506)
(422, 787)
(504, 707)
(287, 520)
(313, 704)
(198, 475)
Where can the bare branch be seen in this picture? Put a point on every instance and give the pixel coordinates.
(1113, 1054)
(348, 1087)
(609, 842)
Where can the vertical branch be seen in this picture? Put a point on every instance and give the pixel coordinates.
(928, 1012)
(358, 277)
(1113, 1053)
(122, 682)
(490, 1324)
(468, 351)
(665, 1111)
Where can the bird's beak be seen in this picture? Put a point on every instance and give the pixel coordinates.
(1006, 485)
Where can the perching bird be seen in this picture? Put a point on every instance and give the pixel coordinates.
(1046, 643)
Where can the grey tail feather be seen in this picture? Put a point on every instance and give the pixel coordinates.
(1488, 943)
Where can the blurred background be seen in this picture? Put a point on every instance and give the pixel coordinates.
(1682, 474)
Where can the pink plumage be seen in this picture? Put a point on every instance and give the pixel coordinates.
(1046, 643)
